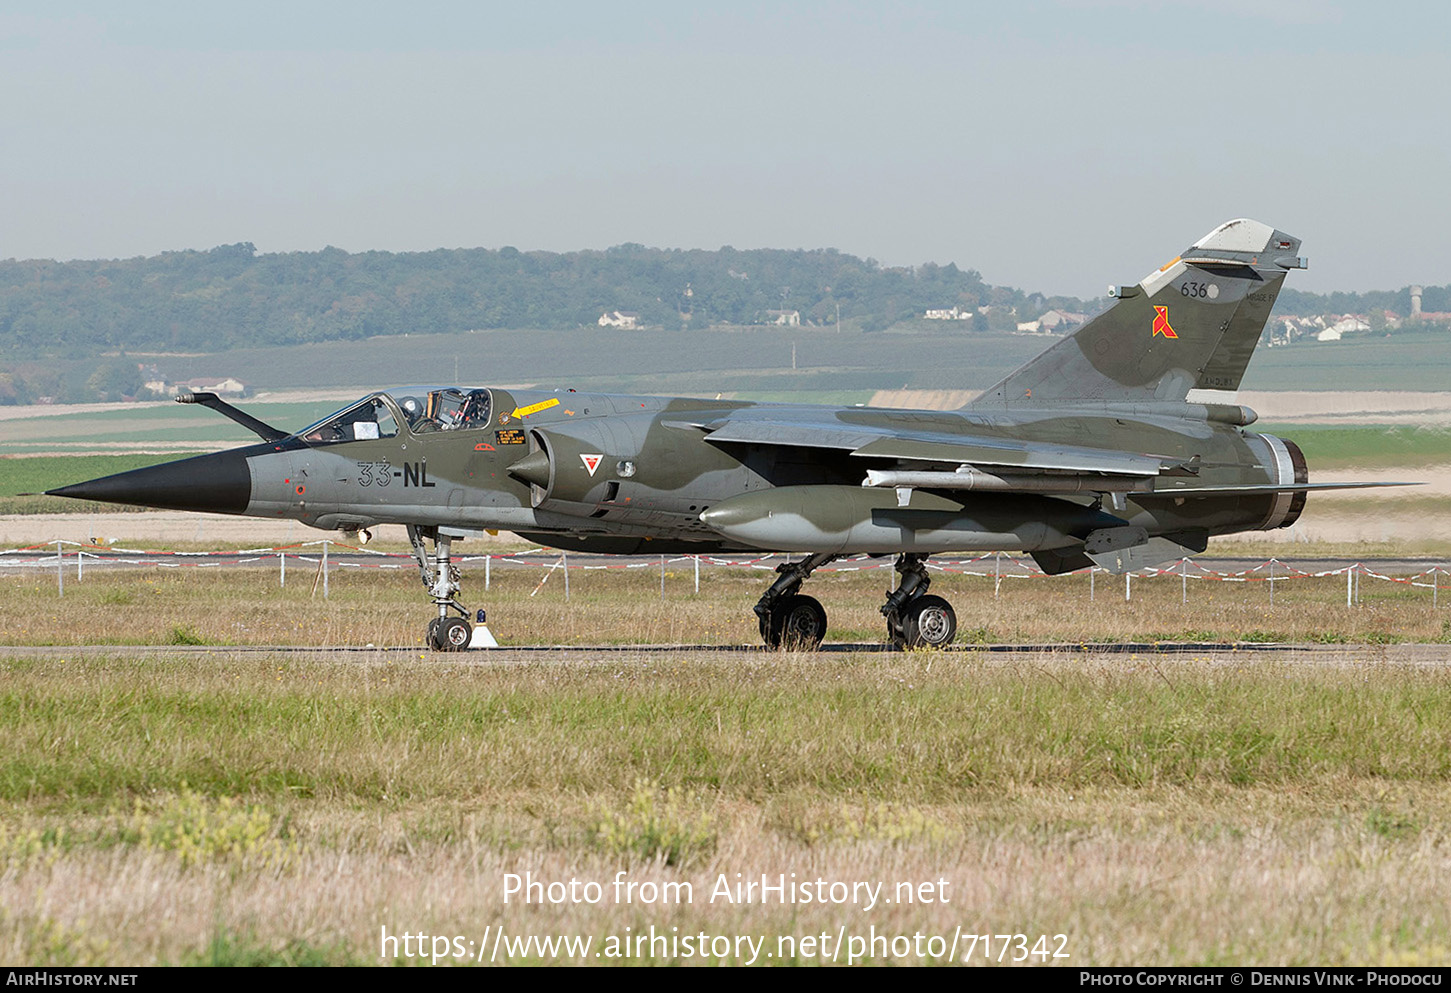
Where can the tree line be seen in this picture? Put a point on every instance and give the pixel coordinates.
(232, 296)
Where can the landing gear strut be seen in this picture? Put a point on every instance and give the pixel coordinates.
(441, 579)
(916, 619)
(789, 619)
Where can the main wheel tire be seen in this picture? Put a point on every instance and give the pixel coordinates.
(894, 630)
(431, 638)
(797, 623)
(928, 622)
(452, 635)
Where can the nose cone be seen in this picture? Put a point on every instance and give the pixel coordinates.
(220, 484)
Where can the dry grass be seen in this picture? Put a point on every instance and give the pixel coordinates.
(1180, 811)
(208, 606)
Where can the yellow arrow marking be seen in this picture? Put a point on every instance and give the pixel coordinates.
(535, 408)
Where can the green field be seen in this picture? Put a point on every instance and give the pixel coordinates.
(1370, 446)
(277, 810)
(705, 361)
(36, 475)
(151, 423)
(1412, 360)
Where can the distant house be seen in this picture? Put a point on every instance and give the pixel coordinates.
(951, 314)
(1347, 324)
(627, 319)
(786, 318)
(1060, 320)
(152, 379)
(220, 385)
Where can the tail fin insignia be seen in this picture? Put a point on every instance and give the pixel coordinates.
(1161, 323)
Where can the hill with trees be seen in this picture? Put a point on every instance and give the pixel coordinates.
(232, 296)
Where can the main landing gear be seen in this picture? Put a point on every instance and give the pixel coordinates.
(441, 579)
(789, 619)
(915, 619)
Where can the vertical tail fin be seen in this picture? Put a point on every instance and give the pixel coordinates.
(1192, 323)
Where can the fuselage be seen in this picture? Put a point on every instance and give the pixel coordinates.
(642, 473)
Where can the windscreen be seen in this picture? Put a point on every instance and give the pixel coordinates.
(366, 420)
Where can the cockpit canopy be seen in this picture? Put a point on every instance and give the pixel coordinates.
(421, 409)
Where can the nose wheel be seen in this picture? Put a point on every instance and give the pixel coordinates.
(449, 634)
(441, 578)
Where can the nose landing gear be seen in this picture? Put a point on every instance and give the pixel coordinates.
(441, 579)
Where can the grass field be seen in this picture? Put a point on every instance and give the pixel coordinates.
(34, 476)
(527, 606)
(1412, 360)
(648, 361)
(267, 810)
(1371, 446)
(151, 424)
(281, 809)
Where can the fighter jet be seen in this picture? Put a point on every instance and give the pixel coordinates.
(1090, 454)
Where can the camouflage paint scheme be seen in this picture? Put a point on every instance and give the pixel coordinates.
(1090, 453)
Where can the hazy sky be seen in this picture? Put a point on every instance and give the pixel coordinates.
(1056, 146)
